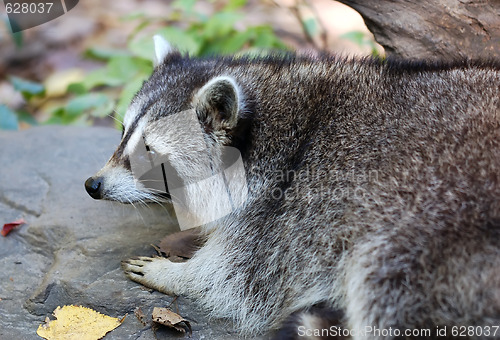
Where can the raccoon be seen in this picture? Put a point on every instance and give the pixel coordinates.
(370, 204)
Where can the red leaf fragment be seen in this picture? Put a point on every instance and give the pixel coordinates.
(7, 227)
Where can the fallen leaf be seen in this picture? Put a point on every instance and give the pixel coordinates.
(140, 315)
(182, 244)
(8, 227)
(57, 83)
(166, 317)
(26, 87)
(77, 323)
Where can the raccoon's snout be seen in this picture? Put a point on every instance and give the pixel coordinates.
(94, 187)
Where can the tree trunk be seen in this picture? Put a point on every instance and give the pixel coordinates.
(435, 29)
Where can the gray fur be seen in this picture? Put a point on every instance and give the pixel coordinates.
(392, 175)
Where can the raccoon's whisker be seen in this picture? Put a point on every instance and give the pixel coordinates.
(178, 201)
(137, 209)
(155, 198)
(113, 207)
(130, 201)
(155, 191)
(112, 116)
(150, 180)
(151, 195)
(159, 201)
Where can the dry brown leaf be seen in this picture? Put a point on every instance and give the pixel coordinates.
(140, 315)
(182, 244)
(166, 317)
(77, 323)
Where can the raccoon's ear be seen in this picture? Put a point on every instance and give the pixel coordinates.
(162, 49)
(218, 102)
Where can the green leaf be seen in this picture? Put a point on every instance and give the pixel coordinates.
(374, 52)
(265, 38)
(127, 94)
(26, 117)
(81, 121)
(234, 5)
(77, 88)
(8, 118)
(356, 37)
(256, 52)
(60, 117)
(133, 16)
(311, 27)
(27, 88)
(236, 42)
(98, 78)
(144, 23)
(230, 45)
(102, 53)
(184, 41)
(220, 24)
(142, 48)
(118, 72)
(184, 5)
(97, 102)
(56, 117)
(16, 37)
(103, 110)
(125, 68)
(362, 39)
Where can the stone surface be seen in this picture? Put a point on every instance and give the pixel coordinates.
(69, 251)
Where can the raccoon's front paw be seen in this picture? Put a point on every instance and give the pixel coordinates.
(154, 272)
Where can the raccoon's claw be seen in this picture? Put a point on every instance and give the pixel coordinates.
(152, 272)
(139, 261)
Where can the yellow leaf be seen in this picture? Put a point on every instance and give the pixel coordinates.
(57, 83)
(77, 323)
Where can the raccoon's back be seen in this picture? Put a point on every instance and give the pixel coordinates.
(368, 145)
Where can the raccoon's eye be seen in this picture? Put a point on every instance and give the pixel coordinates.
(151, 155)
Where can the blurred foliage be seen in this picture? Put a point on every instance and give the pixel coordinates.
(108, 90)
(79, 98)
(8, 118)
(362, 39)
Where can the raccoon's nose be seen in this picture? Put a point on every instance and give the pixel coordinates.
(94, 187)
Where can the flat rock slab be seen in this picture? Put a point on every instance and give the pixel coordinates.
(70, 250)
